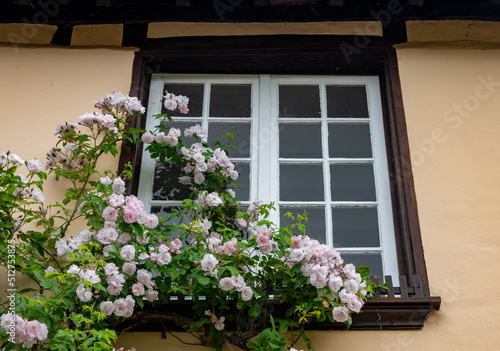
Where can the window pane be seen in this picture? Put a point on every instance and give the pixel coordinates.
(241, 134)
(300, 140)
(301, 183)
(230, 100)
(346, 102)
(372, 260)
(182, 126)
(163, 212)
(352, 182)
(349, 141)
(315, 226)
(355, 227)
(299, 101)
(243, 181)
(166, 184)
(195, 94)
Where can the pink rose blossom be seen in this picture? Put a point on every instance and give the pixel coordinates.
(107, 308)
(116, 200)
(118, 186)
(129, 215)
(147, 138)
(138, 289)
(151, 295)
(34, 166)
(340, 314)
(127, 253)
(110, 214)
(129, 268)
(219, 325)
(226, 284)
(246, 293)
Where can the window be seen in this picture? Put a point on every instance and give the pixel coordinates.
(306, 143)
(288, 61)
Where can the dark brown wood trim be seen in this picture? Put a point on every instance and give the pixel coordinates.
(381, 313)
(406, 203)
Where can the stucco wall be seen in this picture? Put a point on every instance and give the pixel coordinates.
(42, 87)
(453, 127)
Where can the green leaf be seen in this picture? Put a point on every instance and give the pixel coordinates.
(203, 280)
(254, 311)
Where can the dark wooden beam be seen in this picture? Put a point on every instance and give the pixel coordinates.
(183, 2)
(24, 2)
(261, 2)
(336, 2)
(291, 2)
(104, 3)
(416, 2)
(63, 35)
(135, 34)
(394, 32)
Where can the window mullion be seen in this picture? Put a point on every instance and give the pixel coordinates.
(326, 165)
(145, 189)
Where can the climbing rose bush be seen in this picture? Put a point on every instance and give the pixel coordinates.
(234, 263)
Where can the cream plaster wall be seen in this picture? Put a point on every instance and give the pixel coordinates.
(42, 87)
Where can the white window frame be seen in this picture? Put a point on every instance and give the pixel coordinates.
(264, 153)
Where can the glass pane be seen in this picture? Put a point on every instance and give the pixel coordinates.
(299, 101)
(230, 100)
(301, 183)
(166, 184)
(195, 94)
(163, 212)
(352, 182)
(346, 102)
(349, 140)
(187, 142)
(243, 181)
(300, 140)
(240, 132)
(372, 260)
(355, 227)
(315, 226)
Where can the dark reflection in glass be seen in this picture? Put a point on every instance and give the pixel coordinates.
(230, 100)
(166, 184)
(346, 101)
(355, 227)
(354, 182)
(195, 94)
(349, 141)
(300, 140)
(315, 226)
(243, 181)
(241, 135)
(301, 182)
(170, 225)
(372, 260)
(299, 101)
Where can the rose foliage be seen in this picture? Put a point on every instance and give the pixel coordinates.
(234, 263)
